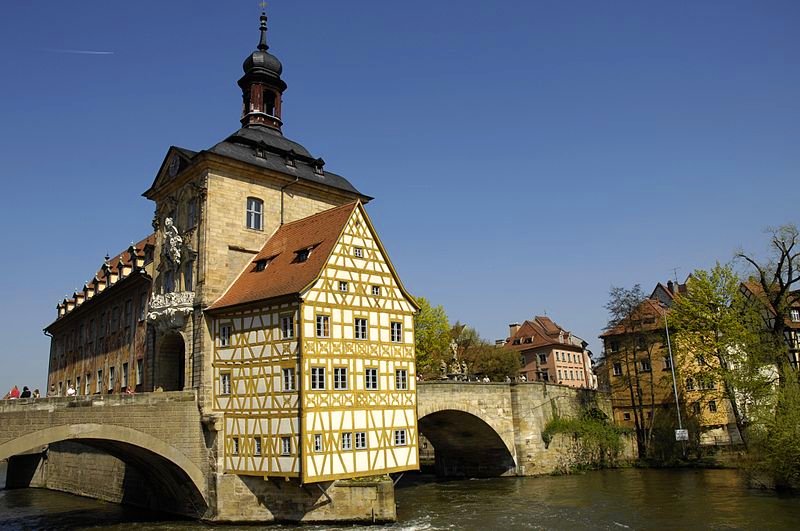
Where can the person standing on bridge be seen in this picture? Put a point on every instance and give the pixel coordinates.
(26, 393)
(36, 393)
(70, 390)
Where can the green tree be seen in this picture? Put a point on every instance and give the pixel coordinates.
(718, 339)
(633, 341)
(432, 331)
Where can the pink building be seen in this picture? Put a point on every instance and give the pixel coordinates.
(551, 354)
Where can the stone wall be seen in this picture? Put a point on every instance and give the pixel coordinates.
(517, 413)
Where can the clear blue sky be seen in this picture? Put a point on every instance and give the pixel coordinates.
(524, 155)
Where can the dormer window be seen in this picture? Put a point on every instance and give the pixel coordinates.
(318, 165)
(261, 265)
(303, 254)
(261, 153)
(795, 315)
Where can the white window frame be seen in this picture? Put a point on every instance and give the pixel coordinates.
(112, 376)
(347, 441)
(234, 445)
(257, 446)
(289, 379)
(255, 213)
(371, 378)
(286, 446)
(318, 378)
(616, 368)
(225, 332)
(344, 286)
(287, 326)
(401, 379)
(98, 384)
(317, 442)
(225, 383)
(400, 438)
(645, 365)
(340, 378)
(139, 372)
(376, 290)
(361, 440)
(396, 328)
(323, 325)
(358, 252)
(124, 376)
(361, 328)
(795, 315)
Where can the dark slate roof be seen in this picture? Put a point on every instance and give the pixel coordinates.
(244, 144)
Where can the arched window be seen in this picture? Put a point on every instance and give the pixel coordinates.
(255, 213)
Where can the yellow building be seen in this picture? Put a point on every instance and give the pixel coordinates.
(268, 291)
(636, 369)
(314, 355)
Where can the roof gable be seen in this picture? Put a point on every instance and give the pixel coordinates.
(167, 172)
(284, 272)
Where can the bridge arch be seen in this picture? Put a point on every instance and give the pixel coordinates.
(169, 467)
(467, 442)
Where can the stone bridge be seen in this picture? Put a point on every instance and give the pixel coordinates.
(160, 434)
(155, 450)
(495, 429)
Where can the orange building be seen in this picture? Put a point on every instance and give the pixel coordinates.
(551, 354)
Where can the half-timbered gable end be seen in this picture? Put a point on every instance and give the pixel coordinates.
(314, 355)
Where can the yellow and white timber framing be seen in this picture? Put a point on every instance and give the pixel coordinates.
(334, 433)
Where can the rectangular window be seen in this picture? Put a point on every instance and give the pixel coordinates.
(401, 379)
(191, 213)
(361, 440)
(617, 369)
(317, 442)
(142, 306)
(645, 364)
(542, 358)
(88, 384)
(139, 372)
(257, 446)
(287, 326)
(696, 408)
(255, 212)
(626, 416)
(288, 379)
(98, 385)
(667, 363)
(188, 276)
(689, 384)
(347, 441)
(559, 376)
(795, 313)
(712, 406)
(400, 437)
(360, 328)
(124, 376)
(323, 326)
(571, 375)
(371, 379)
(343, 286)
(224, 336)
(358, 252)
(225, 383)
(397, 332)
(318, 378)
(286, 445)
(235, 446)
(111, 378)
(78, 385)
(376, 290)
(340, 378)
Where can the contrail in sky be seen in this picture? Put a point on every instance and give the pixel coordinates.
(79, 52)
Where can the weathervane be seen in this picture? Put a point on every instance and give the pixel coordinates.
(263, 5)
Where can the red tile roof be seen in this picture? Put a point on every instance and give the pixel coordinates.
(285, 274)
(540, 332)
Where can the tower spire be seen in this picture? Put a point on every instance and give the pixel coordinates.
(262, 43)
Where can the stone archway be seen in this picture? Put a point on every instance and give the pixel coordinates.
(170, 362)
(177, 484)
(465, 445)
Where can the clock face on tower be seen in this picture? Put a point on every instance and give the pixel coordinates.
(174, 166)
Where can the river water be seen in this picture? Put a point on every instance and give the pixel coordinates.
(613, 499)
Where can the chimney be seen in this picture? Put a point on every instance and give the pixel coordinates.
(512, 329)
(671, 287)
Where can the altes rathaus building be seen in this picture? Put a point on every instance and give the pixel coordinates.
(265, 289)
